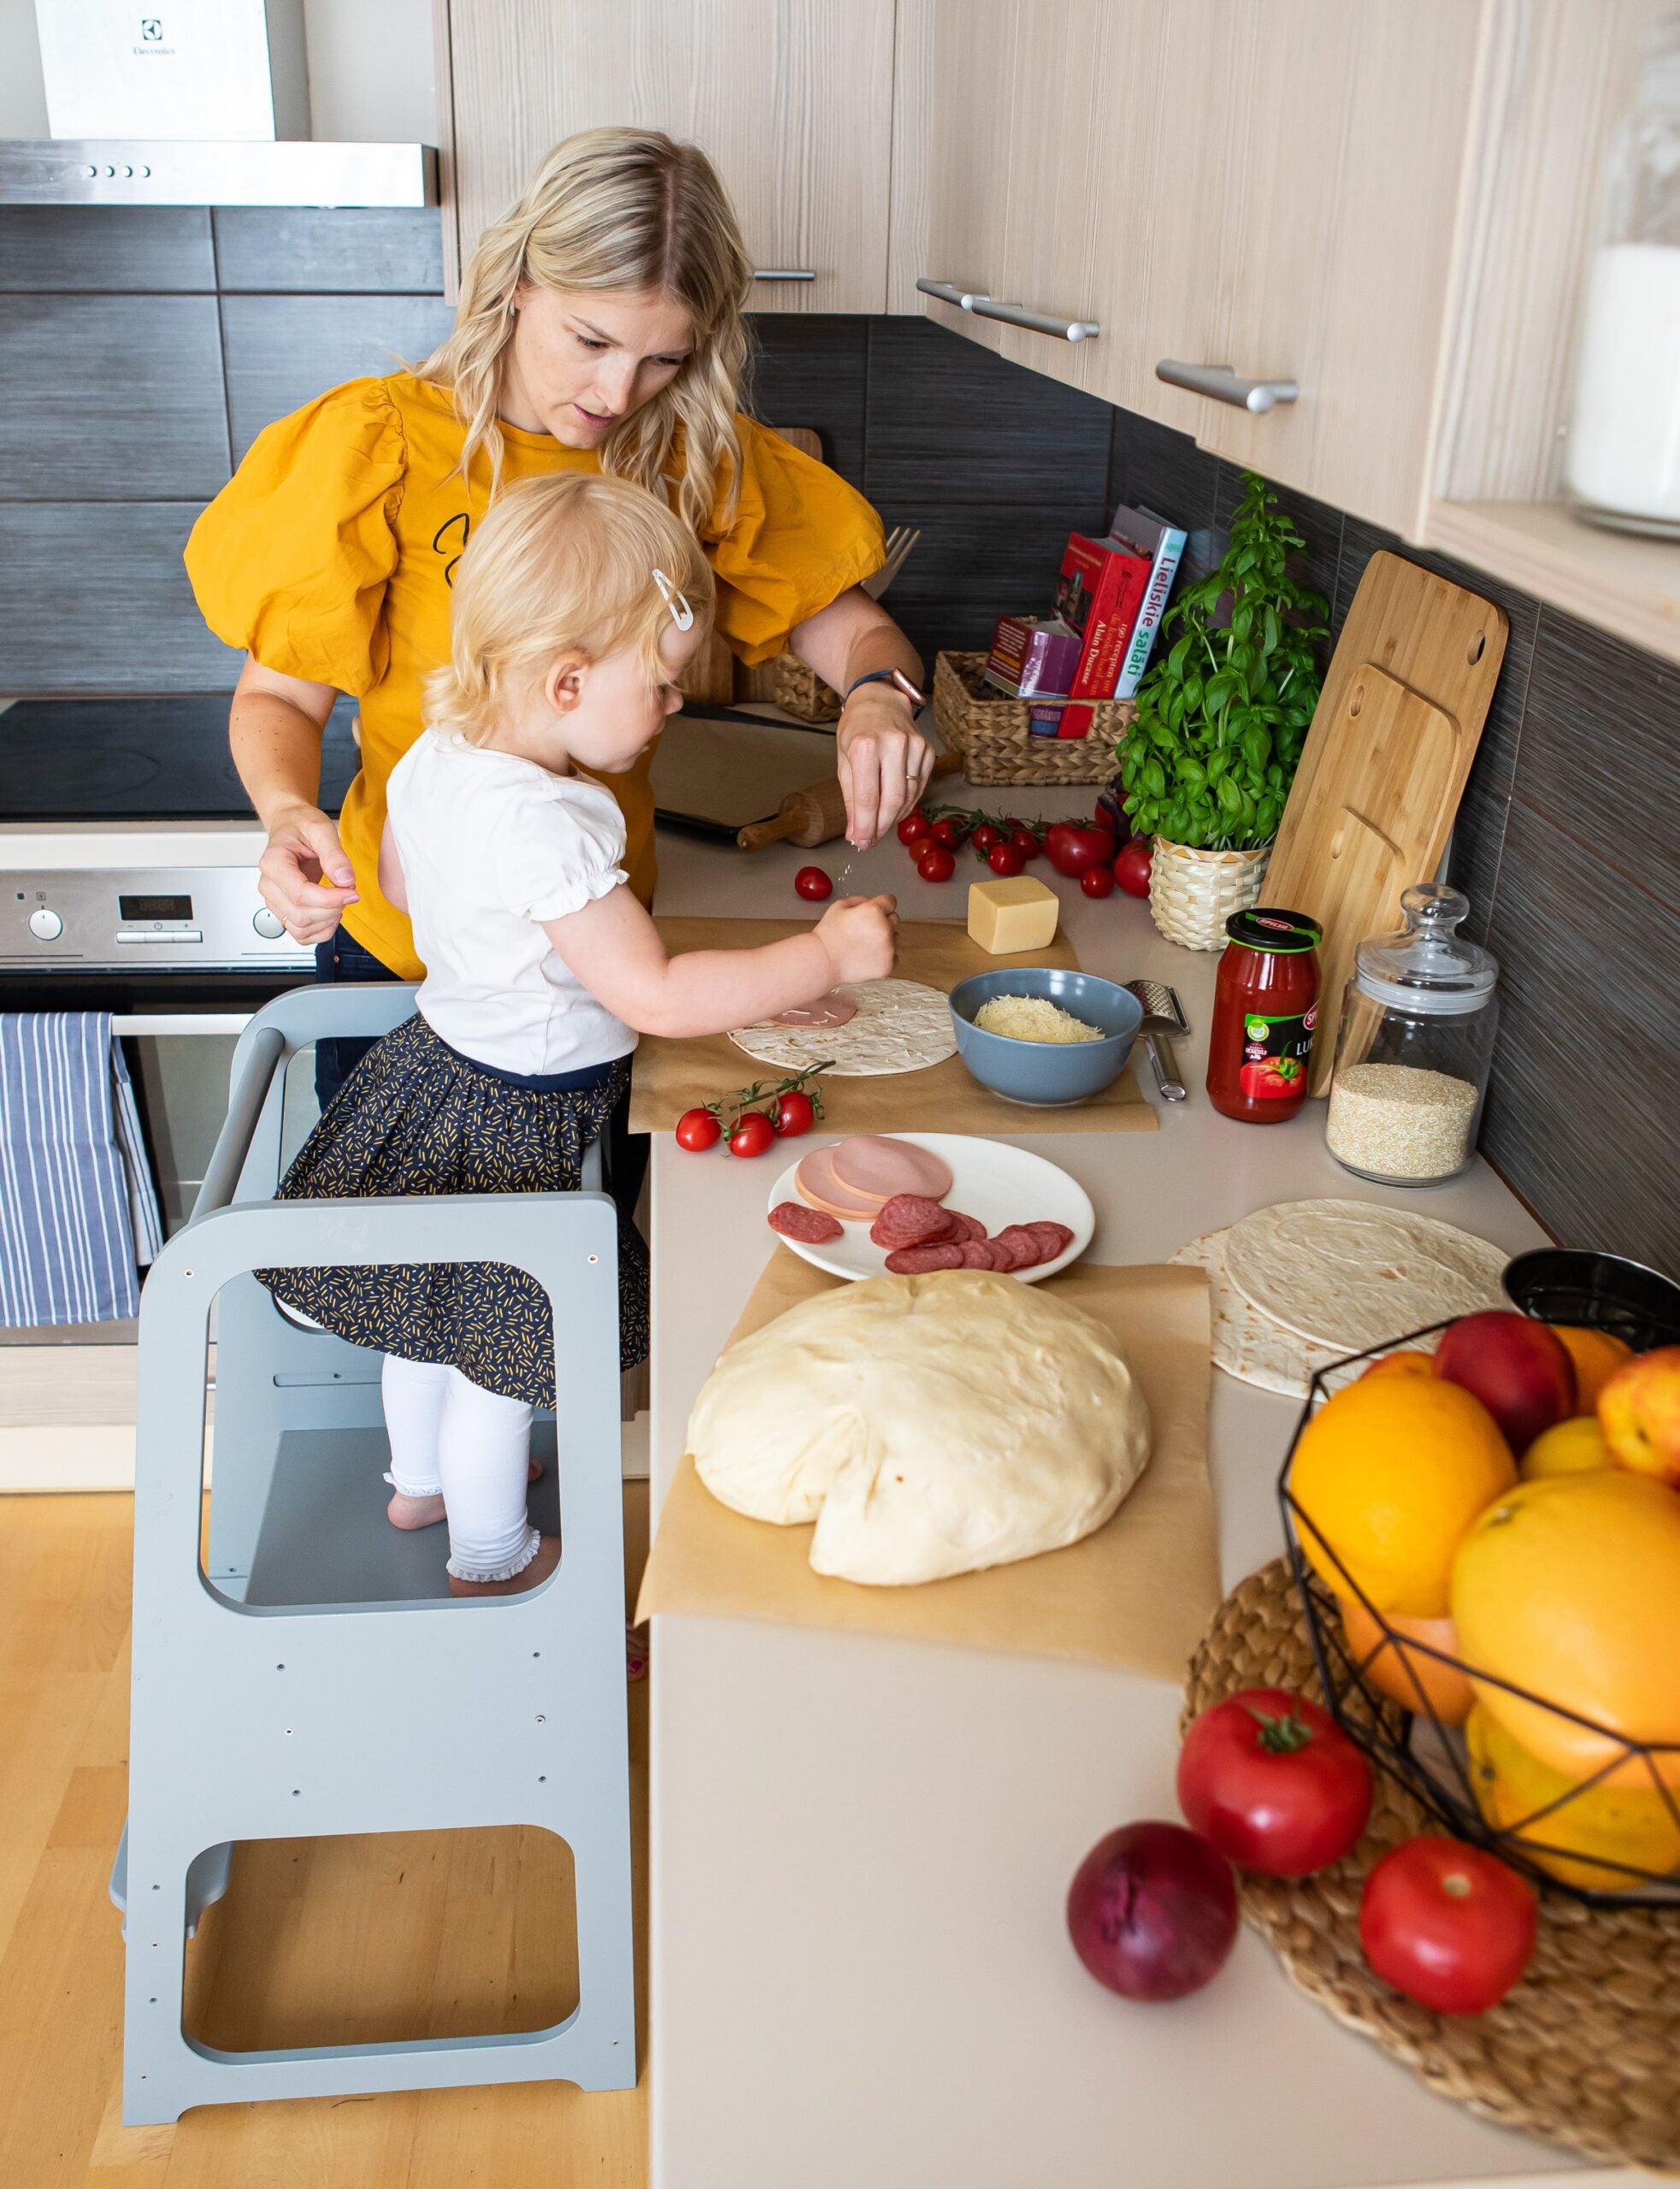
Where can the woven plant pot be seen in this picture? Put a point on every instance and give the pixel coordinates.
(993, 734)
(1191, 893)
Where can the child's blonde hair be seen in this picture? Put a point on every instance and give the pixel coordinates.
(560, 565)
(617, 208)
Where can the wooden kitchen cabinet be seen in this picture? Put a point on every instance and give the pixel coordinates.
(792, 98)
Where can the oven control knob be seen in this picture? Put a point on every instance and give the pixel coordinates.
(268, 924)
(45, 926)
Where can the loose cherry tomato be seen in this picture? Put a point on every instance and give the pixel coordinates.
(697, 1129)
(946, 833)
(936, 864)
(1071, 848)
(913, 826)
(811, 882)
(1005, 858)
(985, 836)
(1274, 1782)
(793, 1114)
(1024, 841)
(1098, 881)
(1131, 867)
(752, 1135)
(1446, 1924)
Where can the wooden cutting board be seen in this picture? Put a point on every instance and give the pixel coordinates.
(1386, 760)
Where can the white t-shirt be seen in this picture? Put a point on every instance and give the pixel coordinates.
(490, 845)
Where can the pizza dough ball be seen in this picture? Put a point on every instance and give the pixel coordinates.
(929, 1425)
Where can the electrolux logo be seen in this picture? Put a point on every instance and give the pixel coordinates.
(152, 39)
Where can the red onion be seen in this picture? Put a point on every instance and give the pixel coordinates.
(1151, 1911)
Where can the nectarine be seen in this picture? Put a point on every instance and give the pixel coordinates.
(1518, 1367)
(1639, 1412)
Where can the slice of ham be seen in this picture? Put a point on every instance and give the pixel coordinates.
(815, 1182)
(870, 1163)
(833, 1009)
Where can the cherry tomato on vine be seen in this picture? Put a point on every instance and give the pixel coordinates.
(1098, 881)
(793, 1114)
(1005, 858)
(913, 826)
(1131, 867)
(936, 864)
(1022, 839)
(985, 836)
(697, 1130)
(752, 1135)
(946, 833)
(811, 882)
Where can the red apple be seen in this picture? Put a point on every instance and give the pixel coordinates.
(1639, 1412)
(1520, 1370)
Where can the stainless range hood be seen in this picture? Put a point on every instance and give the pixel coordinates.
(179, 171)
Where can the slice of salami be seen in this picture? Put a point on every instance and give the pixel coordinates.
(965, 1227)
(914, 1212)
(1023, 1246)
(1054, 1236)
(932, 1232)
(918, 1261)
(795, 1221)
(981, 1254)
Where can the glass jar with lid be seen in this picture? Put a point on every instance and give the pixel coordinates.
(1622, 459)
(1414, 1046)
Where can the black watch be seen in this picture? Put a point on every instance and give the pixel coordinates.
(895, 677)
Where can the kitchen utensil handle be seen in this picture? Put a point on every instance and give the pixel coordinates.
(1038, 322)
(784, 274)
(1172, 1087)
(757, 834)
(1223, 385)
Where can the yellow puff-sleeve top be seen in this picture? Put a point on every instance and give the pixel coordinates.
(330, 553)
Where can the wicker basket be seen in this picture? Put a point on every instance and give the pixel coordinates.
(800, 692)
(1191, 893)
(992, 735)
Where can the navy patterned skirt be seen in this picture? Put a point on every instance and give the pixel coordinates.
(416, 1117)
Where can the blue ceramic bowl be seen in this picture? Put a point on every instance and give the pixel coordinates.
(1046, 1074)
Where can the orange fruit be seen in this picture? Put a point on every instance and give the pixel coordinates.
(1596, 1355)
(1407, 1363)
(1387, 1477)
(1570, 1588)
(1579, 1835)
(1418, 1682)
(1573, 1447)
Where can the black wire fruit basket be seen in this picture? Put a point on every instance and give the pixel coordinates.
(1559, 1844)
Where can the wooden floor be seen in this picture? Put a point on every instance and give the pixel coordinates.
(451, 1931)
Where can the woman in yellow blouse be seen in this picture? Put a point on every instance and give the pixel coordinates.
(599, 328)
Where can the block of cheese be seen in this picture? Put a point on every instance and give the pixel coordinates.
(1016, 914)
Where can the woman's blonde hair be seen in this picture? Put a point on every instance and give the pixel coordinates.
(561, 565)
(617, 208)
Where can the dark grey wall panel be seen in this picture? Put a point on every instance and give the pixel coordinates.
(397, 249)
(950, 422)
(283, 350)
(111, 398)
(96, 600)
(811, 372)
(972, 565)
(108, 247)
(1153, 468)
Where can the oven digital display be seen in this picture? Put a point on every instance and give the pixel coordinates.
(154, 908)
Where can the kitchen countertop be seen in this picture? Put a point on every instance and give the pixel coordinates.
(860, 1848)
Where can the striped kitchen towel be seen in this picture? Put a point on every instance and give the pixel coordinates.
(78, 1209)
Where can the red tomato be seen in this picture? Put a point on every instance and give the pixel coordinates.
(1446, 1924)
(697, 1129)
(793, 1114)
(936, 864)
(1071, 848)
(985, 836)
(1131, 867)
(1098, 881)
(1103, 819)
(946, 833)
(1272, 1079)
(913, 826)
(752, 1135)
(1005, 858)
(1274, 1782)
(811, 882)
(1024, 841)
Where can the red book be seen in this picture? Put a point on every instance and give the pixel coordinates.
(1099, 593)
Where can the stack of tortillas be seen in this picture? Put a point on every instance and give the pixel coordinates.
(1306, 1283)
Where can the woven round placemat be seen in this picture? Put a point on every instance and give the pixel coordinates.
(1585, 2052)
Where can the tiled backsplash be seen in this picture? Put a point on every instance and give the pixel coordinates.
(141, 351)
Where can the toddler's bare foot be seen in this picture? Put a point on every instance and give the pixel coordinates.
(533, 1575)
(405, 1511)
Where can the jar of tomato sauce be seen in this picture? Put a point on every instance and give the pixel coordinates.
(1265, 1007)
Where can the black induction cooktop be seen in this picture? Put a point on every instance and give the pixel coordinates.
(143, 759)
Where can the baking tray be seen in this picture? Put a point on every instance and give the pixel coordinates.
(717, 771)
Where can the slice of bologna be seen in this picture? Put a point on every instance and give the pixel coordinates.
(917, 1261)
(815, 1182)
(795, 1221)
(834, 1009)
(869, 1163)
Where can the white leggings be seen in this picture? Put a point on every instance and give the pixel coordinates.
(453, 1439)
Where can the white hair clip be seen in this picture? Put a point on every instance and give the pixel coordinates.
(681, 614)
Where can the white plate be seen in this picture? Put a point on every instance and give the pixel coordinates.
(994, 1183)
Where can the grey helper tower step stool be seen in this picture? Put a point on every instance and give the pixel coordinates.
(267, 1703)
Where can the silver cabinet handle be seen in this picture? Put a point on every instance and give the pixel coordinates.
(1223, 385)
(784, 274)
(951, 292)
(1041, 323)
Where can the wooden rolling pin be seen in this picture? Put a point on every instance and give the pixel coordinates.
(816, 816)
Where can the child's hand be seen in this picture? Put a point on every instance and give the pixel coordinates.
(860, 936)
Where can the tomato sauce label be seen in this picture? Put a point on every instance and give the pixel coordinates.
(1274, 1055)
